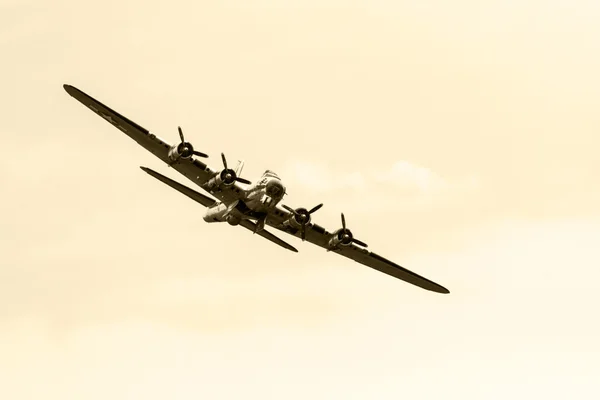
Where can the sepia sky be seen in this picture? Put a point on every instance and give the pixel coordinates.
(459, 138)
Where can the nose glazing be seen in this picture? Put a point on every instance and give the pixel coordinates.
(274, 189)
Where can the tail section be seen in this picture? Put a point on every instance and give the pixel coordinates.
(239, 168)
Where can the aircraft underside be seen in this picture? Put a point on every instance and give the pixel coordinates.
(232, 214)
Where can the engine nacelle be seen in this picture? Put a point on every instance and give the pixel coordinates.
(340, 237)
(292, 222)
(214, 182)
(295, 221)
(182, 150)
(302, 216)
(224, 178)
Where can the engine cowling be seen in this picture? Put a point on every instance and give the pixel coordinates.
(297, 219)
(300, 218)
(226, 177)
(182, 150)
(214, 182)
(341, 237)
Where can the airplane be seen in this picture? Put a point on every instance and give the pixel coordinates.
(238, 201)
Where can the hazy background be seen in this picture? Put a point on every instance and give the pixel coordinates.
(459, 138)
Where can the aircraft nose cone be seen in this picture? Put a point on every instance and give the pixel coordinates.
(275, 189)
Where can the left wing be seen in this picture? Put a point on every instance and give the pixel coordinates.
(207, 202)
(318, 235)
(375, 261)
(191, 168)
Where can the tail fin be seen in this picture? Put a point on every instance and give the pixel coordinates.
(239, 168)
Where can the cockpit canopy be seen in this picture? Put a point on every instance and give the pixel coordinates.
(270, 174)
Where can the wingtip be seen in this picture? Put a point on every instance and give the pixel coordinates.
(69, 88)
(442, 290)
(148, 170)
(290, 247)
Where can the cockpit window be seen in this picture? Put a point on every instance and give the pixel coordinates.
(270, 173)
(274, 189)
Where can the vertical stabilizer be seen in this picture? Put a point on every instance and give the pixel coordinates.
(239, 168)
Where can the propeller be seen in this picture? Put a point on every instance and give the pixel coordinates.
(302, 216)
(346, 237)
(185, 149)
(228, 176)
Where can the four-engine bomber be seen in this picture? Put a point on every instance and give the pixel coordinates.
(237, 201)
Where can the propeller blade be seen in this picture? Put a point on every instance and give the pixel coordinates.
(315, 208)
(303, 232)
(358, 242)
(242, 180)
(197, 153)
(343, 222)
(224, 160)
(180, 134)
(290, 209)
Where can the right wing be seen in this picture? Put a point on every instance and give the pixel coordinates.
(319, 236)
(207, 202)
(192, 168)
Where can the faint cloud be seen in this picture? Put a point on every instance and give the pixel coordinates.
(409, 175)
(321, 179)
(402, 174)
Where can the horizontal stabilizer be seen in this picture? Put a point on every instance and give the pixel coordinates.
(192, 194)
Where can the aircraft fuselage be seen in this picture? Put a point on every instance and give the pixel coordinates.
(259, 199)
